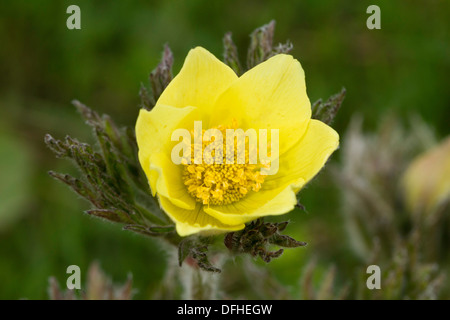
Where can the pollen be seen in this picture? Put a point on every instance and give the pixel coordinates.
(225, 183)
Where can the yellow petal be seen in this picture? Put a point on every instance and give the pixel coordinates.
(278, 194)
(272, 95)
(166, 179)
(154, 129)
(200, 81)
(193, 221)
(255, 205)
(301, 163)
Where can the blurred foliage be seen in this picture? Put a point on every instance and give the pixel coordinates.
(98, 287)
(408, 243)
(401, 68)
(15, 187)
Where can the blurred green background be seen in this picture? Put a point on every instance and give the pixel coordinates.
(404, 67)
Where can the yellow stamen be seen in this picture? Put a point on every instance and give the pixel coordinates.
(222, 184)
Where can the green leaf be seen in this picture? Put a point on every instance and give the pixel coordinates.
(148, 231)
(230, 54)
(261, 41)
(283, 48)
(161, 76)
(285, 241)
(197, 250)
(257, 236)
(183, 250)
(113, 215)
(326, 111)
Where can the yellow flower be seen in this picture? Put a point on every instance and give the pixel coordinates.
(427, 179)
(223, 197)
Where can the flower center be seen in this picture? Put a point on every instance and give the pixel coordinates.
(225, 183)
